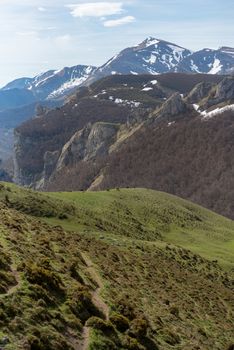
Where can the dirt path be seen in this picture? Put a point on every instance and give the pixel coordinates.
(96, 299)
(79, 344)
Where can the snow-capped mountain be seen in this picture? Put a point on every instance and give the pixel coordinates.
(155, 56)
(152, 56)
(209, 61)
(53, 84)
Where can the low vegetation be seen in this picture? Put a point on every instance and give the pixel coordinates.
(119, 269)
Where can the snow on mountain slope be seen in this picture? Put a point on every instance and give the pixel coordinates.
(54, 83)
(152, 56)
(208, 61)
(217, 111)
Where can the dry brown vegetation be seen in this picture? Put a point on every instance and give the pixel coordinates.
(190, 158)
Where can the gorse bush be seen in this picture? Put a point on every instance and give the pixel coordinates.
(42, 275)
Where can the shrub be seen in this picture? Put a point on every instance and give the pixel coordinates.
(81, 305)
(120, 322)
(99, 324)
(139, 327)
(131, 344)
(43, 276)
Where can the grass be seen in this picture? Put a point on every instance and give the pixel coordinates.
(148, 215)
(154, 253)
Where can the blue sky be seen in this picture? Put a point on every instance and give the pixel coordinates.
(37, 35)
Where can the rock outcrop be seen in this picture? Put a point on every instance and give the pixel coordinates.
(172, 109)
(225, 89)
(93, 141)
(199, 92)
(223, 92)
(88, 143)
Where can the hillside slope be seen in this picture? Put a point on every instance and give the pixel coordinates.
(102, 271)
(171, 132)
(123, 100)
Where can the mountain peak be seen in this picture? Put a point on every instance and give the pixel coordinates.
(150, 41)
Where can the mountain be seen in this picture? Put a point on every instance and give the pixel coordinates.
(20, 98)
(121, 269)
(171, 132)
(53, 84)
(209, 61)
(152, 56)
(117, 100)
(14, 98)
(155, 56)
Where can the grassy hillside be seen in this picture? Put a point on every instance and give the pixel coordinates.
(150, 215)
(120, 269)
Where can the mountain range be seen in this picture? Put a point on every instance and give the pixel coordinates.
(152, 56)
(20, 98)
(153, 131)
(95, 136)
(105, 255)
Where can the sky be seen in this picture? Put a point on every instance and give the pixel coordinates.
(38, 35)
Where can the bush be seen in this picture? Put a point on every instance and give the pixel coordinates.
(131, 343)
(139, 327)
(81, 305)
(99, 324)
(120, 322)
(44, 276)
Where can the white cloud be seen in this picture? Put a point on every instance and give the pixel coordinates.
(119, 22)
(41, 9)
(96, 9)
(27, 33)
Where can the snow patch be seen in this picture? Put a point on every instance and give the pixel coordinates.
(126, 102)
(217, 66)
(151, 41)
(147, 89)
(171, 123)
(217, 111)
(194, 67)
(67, 86)
(151, 60)
(196, 107)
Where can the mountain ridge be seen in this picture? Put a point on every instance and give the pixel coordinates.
(105, 133)
(151, 56)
